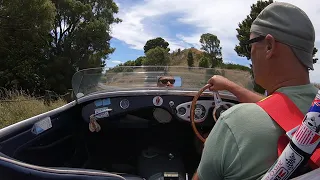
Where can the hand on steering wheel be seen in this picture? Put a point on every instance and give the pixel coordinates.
(217, 104)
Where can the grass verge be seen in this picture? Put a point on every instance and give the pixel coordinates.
(19, 107)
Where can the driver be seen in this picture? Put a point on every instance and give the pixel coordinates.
(243, 142)
(166, 81)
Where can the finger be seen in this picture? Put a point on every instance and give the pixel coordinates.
(212, 88)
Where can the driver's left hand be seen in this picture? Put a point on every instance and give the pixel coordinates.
(219, 83)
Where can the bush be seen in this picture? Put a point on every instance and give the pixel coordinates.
(204, 62)
(234, 66)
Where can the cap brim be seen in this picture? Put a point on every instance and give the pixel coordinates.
(305, 58)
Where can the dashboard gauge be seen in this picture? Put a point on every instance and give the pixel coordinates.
(182, 111)
(162, 116)
(124, 104)
(199, 112)
(157, 101)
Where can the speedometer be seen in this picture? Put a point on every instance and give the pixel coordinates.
(199, 112)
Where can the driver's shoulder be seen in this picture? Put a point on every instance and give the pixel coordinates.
(253, 131)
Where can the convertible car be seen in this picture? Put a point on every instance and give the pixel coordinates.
(124, 123)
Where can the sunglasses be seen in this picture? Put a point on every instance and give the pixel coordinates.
(165, 81)
(253, 40)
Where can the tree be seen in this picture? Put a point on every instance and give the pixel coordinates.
(139, 60)
(156, 57)
(24, 43)
(244, 27)
(204, 62)
(190, 59)
(129, 63)
(211, 45)
(81, 39)
(157, 42)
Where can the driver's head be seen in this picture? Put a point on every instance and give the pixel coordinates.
(281, 44)
(164, 81)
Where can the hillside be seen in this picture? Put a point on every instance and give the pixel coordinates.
(180, 58)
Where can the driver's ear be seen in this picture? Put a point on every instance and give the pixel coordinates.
(270, 46)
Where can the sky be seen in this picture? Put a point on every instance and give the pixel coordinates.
(181, 23)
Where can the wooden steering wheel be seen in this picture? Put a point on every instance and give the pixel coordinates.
(217, 104)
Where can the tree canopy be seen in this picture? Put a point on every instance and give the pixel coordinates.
(24, 42)
(204, 62)
(44, 42)
(211, 45)
(157, 42)
(156, 57)
(81, 38)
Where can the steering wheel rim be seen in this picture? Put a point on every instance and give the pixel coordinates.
(192, 112)
(218, 104)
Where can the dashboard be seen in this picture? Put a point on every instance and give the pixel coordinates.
(164, 107)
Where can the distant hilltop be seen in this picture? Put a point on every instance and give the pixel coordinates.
(180, 58)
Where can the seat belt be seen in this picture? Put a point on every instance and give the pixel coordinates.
(288, 116)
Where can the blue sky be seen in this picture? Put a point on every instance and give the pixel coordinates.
(181, 23)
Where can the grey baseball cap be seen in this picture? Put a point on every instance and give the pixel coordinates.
(289, 25)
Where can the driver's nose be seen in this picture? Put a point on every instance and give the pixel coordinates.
(169, 84)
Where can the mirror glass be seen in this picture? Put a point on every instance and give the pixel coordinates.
(169, 81)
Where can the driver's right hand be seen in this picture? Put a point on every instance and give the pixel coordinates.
(219, 83)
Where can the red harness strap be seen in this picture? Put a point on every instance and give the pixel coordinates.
(287, 115)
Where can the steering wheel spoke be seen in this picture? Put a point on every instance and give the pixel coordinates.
(220, 106)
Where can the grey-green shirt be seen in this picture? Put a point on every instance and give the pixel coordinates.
(243, 143)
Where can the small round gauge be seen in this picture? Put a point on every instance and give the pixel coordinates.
(124, 104)
(182, 111)
(200, 112)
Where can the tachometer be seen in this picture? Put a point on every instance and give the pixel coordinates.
(182, 111)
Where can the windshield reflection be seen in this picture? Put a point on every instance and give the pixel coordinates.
(150, 77)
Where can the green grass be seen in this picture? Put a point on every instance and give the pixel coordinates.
(19, 106)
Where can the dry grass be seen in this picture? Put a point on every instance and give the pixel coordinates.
(18, 106)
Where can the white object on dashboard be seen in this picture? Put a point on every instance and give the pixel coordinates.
(42, 125)
(102, 112)
(79, 95)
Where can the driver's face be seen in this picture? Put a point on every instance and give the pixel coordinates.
(166, 81)
(258, 59)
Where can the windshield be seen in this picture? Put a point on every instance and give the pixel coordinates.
(95, 80)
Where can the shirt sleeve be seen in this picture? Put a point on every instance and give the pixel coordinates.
(220, 159)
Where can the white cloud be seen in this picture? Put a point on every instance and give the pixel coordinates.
(116, 62)
(315, 75)
(220, 17)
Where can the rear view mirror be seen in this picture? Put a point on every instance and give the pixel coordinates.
(169, 81)
(178, 81)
